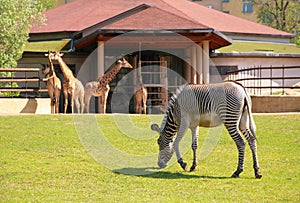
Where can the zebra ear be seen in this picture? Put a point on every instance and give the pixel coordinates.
(155, 127)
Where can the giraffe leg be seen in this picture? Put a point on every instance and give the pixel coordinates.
(57, 96)
(104, 101)
(144, 107)
(82, 103)
(66, 101)
(87, 98)
(72, 101)
(51, 95)
(138, 108)
(51, 105)
(77, 104)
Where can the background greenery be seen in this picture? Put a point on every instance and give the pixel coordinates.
(43, 160)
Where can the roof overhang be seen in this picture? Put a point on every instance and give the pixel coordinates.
(179, 38)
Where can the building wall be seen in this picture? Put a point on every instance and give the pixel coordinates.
(61, 2)
(239, 8)
(214, 4)
(244, 62)
(256, 62)
(232, 7)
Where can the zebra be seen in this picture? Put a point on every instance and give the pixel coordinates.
(209, 105)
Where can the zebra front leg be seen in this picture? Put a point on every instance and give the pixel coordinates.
(181, 131)
(194, 147)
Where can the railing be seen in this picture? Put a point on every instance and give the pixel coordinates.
(267, 80)
(28, 79)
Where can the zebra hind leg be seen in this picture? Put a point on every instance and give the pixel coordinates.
(240, 143)
(252, 143)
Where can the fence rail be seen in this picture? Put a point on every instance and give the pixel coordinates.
(28, 80)
(267, 80)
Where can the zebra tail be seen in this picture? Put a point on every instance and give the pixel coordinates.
(252, 125)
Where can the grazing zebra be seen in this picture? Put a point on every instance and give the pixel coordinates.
(207, 106)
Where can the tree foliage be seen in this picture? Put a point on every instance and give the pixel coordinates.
(280, 14)
(16, 19)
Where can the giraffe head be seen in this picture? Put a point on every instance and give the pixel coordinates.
(54, 55)
(123, 63)
(46, 69)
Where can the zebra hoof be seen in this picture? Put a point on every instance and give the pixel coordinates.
(193, 168)
(184, 166)
(258, 175)
(234, 175)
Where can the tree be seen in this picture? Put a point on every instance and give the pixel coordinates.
(280, 14)
(16, 19)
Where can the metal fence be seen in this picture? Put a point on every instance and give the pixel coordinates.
(267, 80)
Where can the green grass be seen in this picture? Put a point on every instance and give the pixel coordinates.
(244, 46)
(42, 159)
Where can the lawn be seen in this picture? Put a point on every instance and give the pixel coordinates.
(112, 158)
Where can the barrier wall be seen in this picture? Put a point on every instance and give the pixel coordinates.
(260, 104)
(275, 104)
(27, 106)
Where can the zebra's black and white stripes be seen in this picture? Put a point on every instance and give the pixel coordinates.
(207, 106)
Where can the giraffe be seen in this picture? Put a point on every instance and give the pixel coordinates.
(100, 88)
(72, 86)
(140, 97)
(53, 85)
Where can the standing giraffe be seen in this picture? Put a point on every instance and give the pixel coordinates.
(100, 88)
(53, 85)
(140, 97)
(72, 85)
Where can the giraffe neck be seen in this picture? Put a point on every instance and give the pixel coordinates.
(65, 69)
(52, 68)
(107, 77)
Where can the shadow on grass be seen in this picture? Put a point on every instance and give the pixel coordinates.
(156, 173)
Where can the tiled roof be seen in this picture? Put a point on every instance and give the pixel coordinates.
(146, 14)
(154, 19)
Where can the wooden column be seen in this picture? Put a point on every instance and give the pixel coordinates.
(100, 58)
(205, 61)
(194, 65)
(199, 64)
(187, 68)
(100, 68)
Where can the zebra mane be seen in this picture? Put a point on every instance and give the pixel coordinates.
(170, 106)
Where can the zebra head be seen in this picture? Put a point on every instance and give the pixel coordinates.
(165, 147)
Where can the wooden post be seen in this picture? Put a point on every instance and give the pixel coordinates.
(100, 66)
(206, 61)
(187, 68)
(199, 64)
(194, 65)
